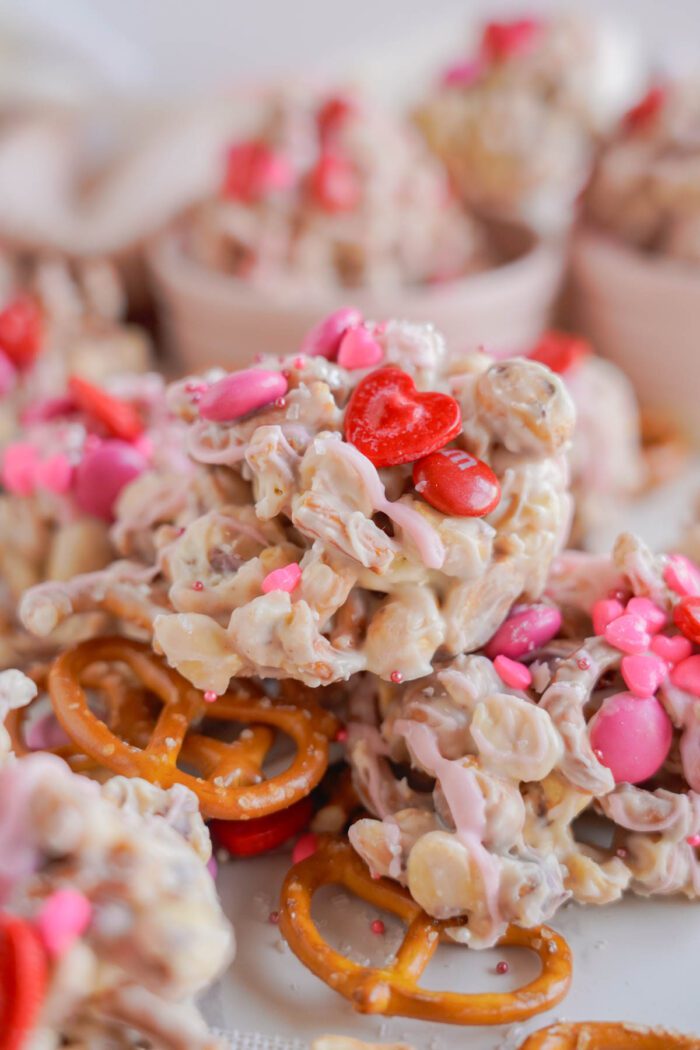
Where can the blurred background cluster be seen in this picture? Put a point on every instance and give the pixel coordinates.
(185, 185)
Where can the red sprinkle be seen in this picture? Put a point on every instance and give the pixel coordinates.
(686, 616)
(391, 422)
(281, 402)
(210, 696)
(377, 926)
(197, 585)
(560, 351)
(646, 110)
(502, 967)
(342, 735)
(119, 418)
(396, 677)
(21, 331)
(273, 917)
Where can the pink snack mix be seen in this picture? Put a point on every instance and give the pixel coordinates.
(240, 393)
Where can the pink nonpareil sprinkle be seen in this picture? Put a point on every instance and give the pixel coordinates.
(284, 579)
(604, 612)
(63, 918)
(502, 967)
(304, 847)
(197, 585)
(273, 918)
(210, 696)
(652, 614)
(378, 927)
(628, 634)
(513, 673)
(396, 677)
(682, 575)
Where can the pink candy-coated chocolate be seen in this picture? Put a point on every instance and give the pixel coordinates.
(524, 632)
(8, 375)
(19, 464)
(686, 675)
(324, 338)
(604, 612)
(682, 575)
(628, 633)
(359, 349)
(284, 579)
(102, 474)
(63, 918)
(643, 673)
(652, 614)
(55, 474)
(672, 649)
(631, 736)
(305, 846)
(240, 393)
(512, 672)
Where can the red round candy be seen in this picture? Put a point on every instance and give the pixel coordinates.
(457, 483)
(21, 331)
(686, 617)
(247, 838)
(333, 184)
(560, 351)
(390, 422)
(23, 978)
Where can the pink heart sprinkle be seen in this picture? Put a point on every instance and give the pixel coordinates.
(604, 612)
(512, 672)
(628, 634)
(284, 579)
(55, 474)
(682, 575)
(652, 614)
(671, 649)
(64, 916)
(358, 349)
(643, 673)
(304, 847)
(686, 675)
(19, 467)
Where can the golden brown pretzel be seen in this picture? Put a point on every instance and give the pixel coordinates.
(607, 1035)
(394, 989)
(231, 784)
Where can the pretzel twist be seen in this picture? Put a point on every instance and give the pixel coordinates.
(607, 1035)
(394, 989)
(232, 784)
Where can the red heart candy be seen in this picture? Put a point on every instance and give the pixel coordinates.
(686, 616)
(390, 422)
(457, 483)
(560, 351)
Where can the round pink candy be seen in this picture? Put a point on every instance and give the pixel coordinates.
(524, 632)
(324, 338)
(240, 393)
(632, 736)
(102, 474)
(512, 672)
(8, 375)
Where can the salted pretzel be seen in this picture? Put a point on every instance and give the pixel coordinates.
(394, 989)
(231, 784)
(607, 1035)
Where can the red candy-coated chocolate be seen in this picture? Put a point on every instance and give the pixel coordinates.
(332, 114)
(390, 422)
(560, 351)
(21, 331)
(501, 40)
(333, 184)
(686, 617)
(648, 107)
(253, 170)
(23, 978)
(247, 838)
(119, 418)
(457, 483)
